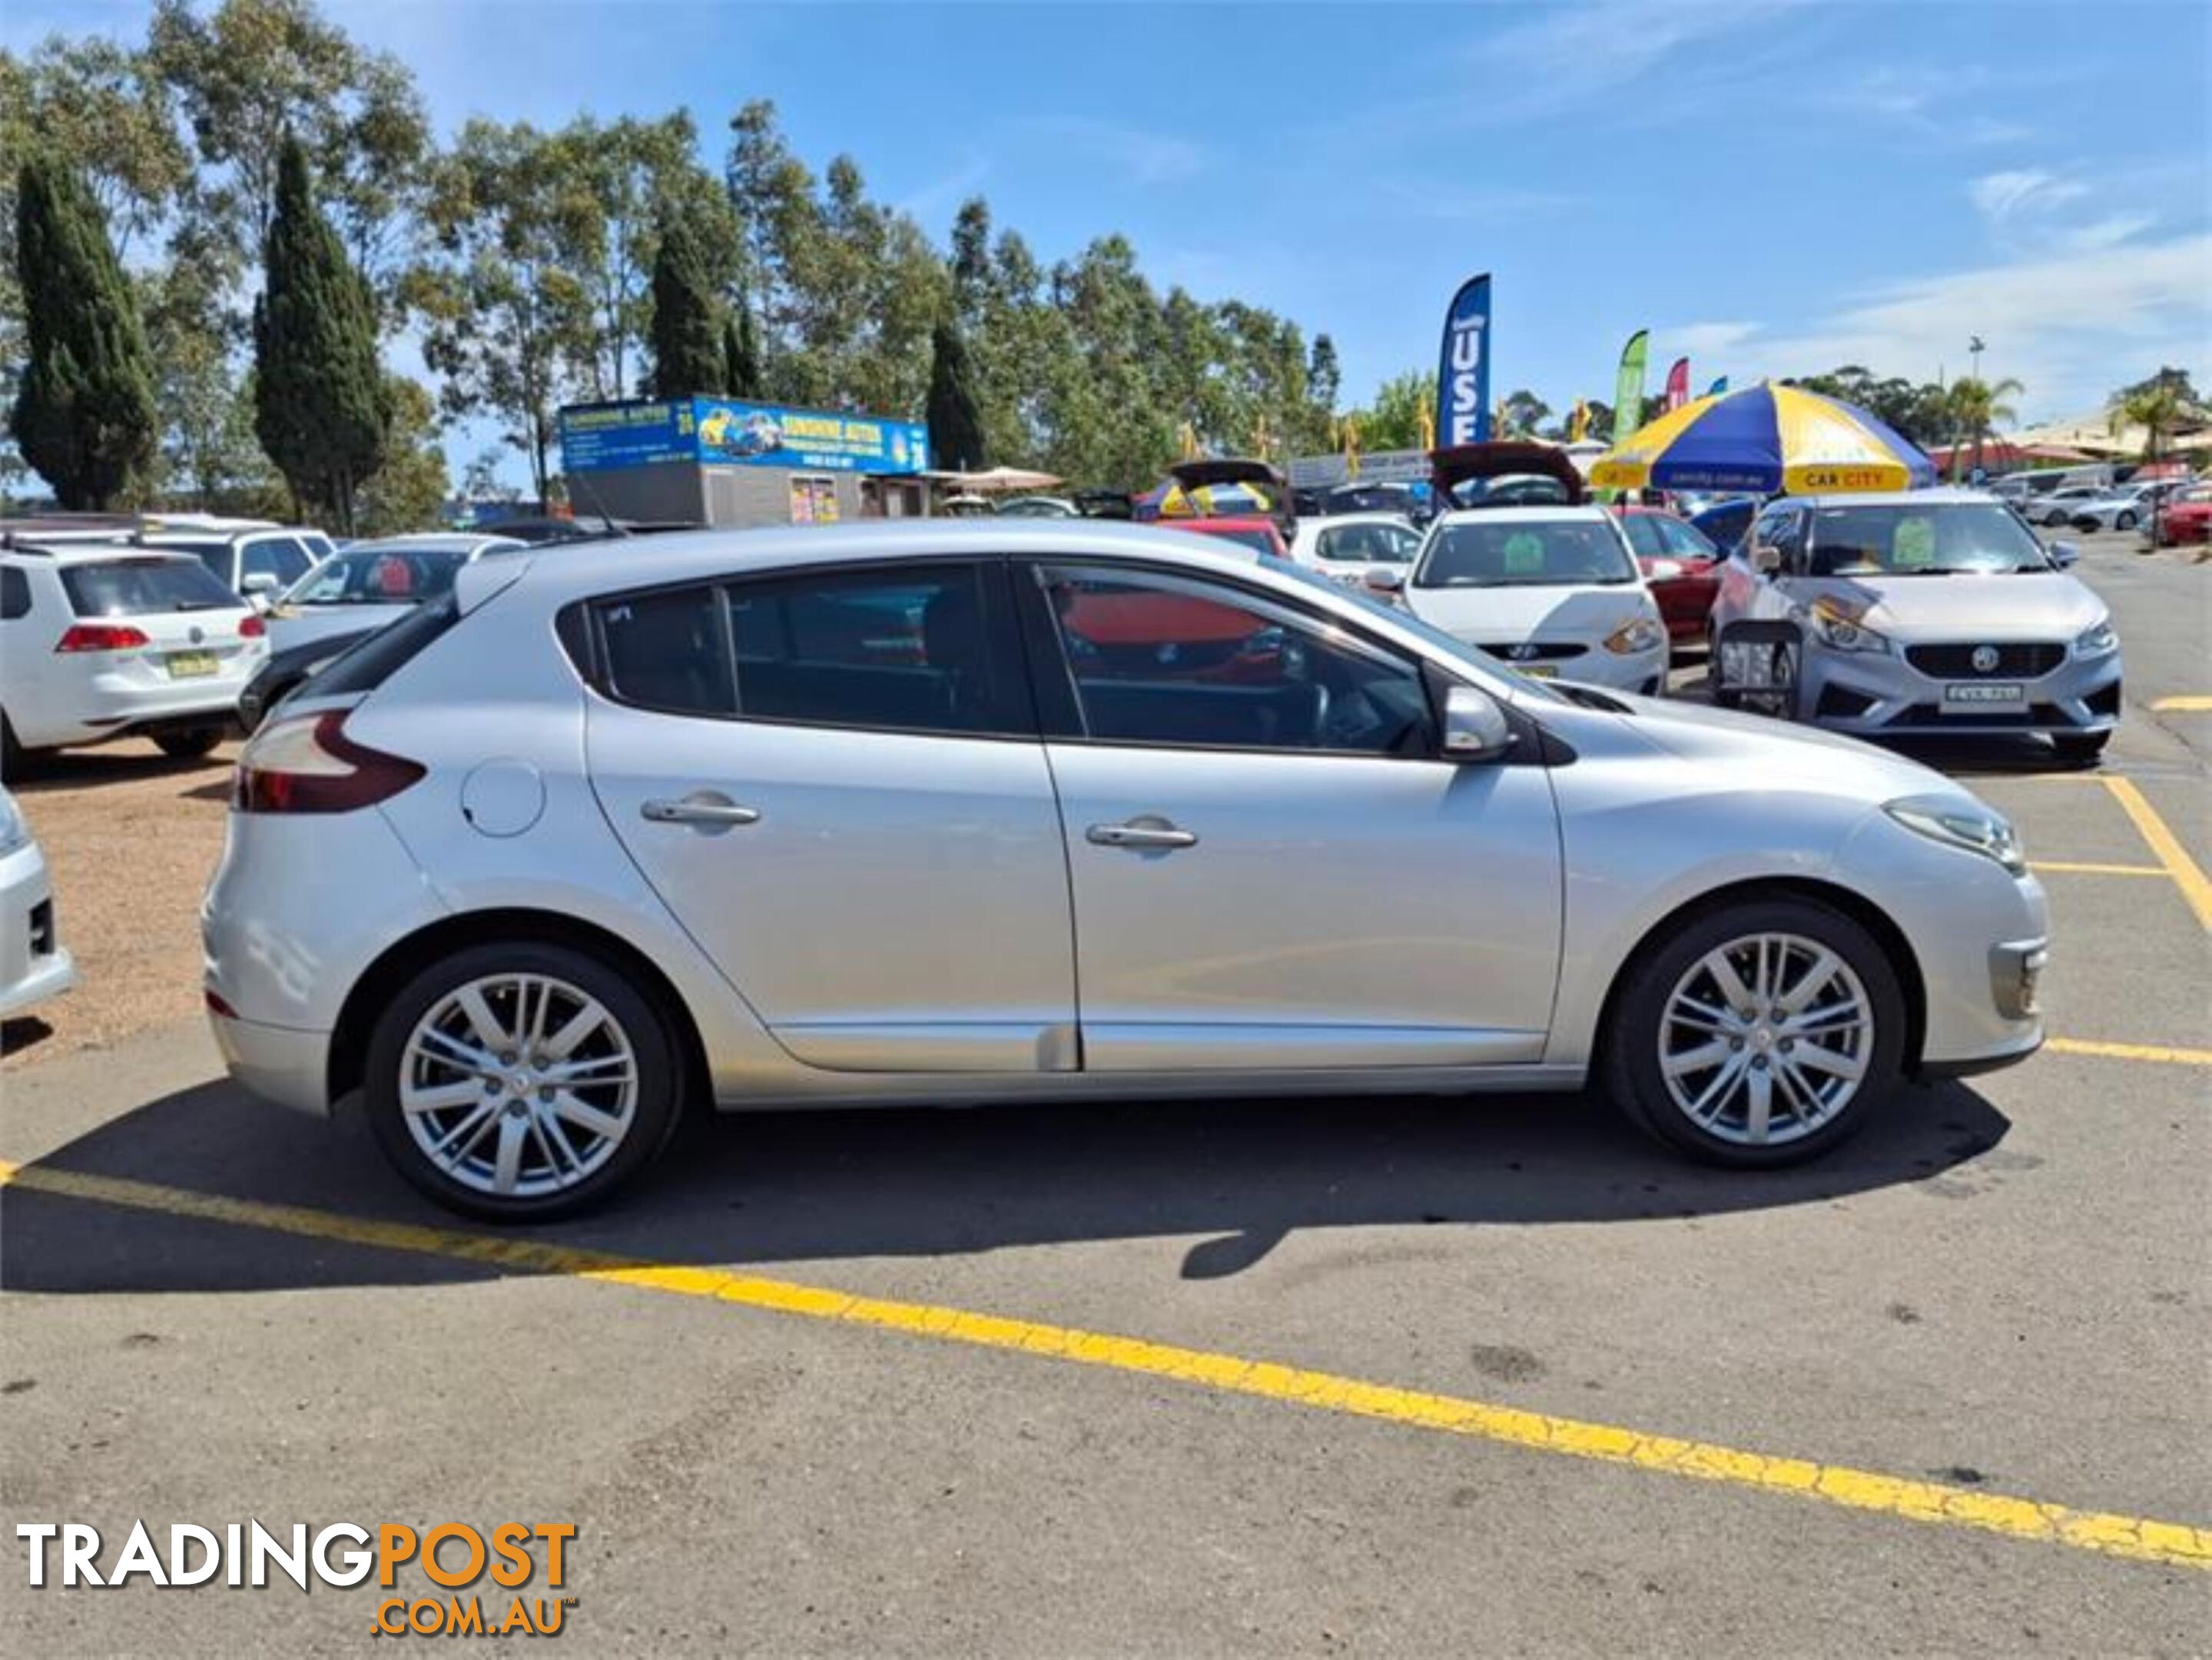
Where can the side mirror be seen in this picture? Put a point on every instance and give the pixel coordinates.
(2065, 554)
(1384, 579)
(1766, 558)
(259, 583)
(1475, 728)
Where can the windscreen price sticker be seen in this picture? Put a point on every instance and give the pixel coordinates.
(449, 1579)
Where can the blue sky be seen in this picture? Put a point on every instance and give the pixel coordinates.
(1772, 187)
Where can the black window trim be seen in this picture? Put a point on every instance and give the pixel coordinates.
(1008, 660)
(1063, 724)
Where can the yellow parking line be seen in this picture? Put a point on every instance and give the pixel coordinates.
(2165, 1054)
(2174, 1544)
(2068, 867)
(2166, 847)
(2183, 706)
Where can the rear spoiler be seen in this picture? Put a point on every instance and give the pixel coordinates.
(1243, 470)
(1450, 468)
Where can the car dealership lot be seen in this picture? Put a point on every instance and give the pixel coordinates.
(2001, 1290)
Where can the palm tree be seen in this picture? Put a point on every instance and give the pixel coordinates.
(1975, 405)
(2158, 408)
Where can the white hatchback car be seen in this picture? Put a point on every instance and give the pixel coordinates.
(101, 640)
(32, 964)
(1555, 591)
(1344, 545)
(972, 809)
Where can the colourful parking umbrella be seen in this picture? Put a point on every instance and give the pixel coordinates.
(1172, 501)
(1767, 439)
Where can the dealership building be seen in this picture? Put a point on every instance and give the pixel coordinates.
(727, 461)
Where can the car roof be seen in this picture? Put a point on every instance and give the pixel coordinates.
(1942, 495)
(434, 542)
(1532, 513)
(1368, 516)
(582, 569)
(82, 551)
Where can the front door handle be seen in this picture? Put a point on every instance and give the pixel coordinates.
(1144, 832)
(702, 809)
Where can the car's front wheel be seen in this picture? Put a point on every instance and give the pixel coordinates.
(189, 746)
(2125, 521)
(522, 1081)
(1758, 1034)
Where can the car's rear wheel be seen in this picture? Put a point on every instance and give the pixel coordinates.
(189, 746)
(522, 1081)
(1759, 1035)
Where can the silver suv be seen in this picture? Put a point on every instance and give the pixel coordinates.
(1932, 613)
(967, 811)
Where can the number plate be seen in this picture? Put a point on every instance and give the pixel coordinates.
(191, 665)
(1983, 694)
(1538, 671)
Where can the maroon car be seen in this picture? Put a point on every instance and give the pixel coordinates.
(1681, 565)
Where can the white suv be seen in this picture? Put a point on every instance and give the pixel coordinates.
(101, 640)
(259, 561)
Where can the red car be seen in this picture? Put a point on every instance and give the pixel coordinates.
(2186, 516)
(1254, 531)
(1681, 565)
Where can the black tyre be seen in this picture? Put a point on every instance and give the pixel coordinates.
(2081, 749)
(521, 1082)
(189, 746)
(1756, 1036)
(15, 759)
(2125, 521)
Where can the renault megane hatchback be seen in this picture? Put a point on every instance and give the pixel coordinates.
(962, 810)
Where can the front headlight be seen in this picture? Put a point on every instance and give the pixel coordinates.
(1841, 630)
(2099, 641)
(1962, 822)
(14, 832)
(1638, 634)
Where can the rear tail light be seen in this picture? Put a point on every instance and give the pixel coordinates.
(252, 628)
(308, 764)
(102, 636)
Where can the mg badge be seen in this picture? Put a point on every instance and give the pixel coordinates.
(1984, 659)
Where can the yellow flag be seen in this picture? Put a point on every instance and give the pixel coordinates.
(1578, 424)
(1428, 430)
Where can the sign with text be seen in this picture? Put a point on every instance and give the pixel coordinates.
(730, 432)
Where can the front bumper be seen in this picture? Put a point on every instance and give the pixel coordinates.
(34, 966)
(1876, 695)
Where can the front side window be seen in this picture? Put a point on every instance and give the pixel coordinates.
(277, 556)
(904, 648)
(1161, 659)
(1501, 553)
(215, 556)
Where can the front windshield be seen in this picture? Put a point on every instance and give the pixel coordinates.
(1523, 553)
(379, 576)
(1949, 539)
(1457, 651)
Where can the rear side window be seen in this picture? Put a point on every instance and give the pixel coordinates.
(383, 653)
(135, 588)
(910, 648)
(14, 593)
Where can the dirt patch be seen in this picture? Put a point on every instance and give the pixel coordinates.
(130, 838)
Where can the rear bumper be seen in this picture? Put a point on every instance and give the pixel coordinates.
(290, 1068)
(135, 712)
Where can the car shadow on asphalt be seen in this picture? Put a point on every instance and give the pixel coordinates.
(777, 1188)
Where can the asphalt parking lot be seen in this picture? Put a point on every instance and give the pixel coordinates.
(1402, 1377)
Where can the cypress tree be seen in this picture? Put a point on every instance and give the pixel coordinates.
(321, 408)
(84, 412)
(688, 352)
(742, 375)
(955, 422)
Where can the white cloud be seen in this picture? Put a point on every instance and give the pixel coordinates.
(2070, 326)
(1702, 339)
(933, 197)
(1925, 100)
(1145, 157)
(2022, 192)
(2110, 231)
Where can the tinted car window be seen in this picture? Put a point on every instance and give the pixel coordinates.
(133, 588)
(1523, 553)
(374, 658)
(215, 556)
(14, 592)
(1373, 544)
(279, 557)
(668, 651)
(1645, 534)
(380, 576)
(1685, 541)
(1156, 659)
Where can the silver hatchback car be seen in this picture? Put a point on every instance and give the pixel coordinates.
(962, 812)
(1926, 614)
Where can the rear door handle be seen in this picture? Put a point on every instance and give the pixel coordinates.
(702, 809)
(1146, 832)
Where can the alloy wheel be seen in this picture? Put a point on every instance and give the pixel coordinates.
(518, 1086)
(1766, 1039)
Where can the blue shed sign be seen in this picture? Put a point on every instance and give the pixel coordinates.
(728, 432)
